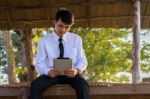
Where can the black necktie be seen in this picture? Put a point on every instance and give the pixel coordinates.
(61, 48)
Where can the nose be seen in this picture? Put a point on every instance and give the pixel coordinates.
(63, 29)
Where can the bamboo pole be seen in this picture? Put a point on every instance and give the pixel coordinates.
(29, 56)
(136, 77)
(10, 57)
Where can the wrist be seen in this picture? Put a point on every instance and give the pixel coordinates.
(78, 71)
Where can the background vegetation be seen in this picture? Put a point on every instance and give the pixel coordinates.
(108, 52)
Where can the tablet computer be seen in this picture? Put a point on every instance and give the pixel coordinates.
(62, 63)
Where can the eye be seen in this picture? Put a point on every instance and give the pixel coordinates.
(67, 26)
(60, 25)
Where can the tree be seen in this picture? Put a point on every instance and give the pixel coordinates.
(108, 53)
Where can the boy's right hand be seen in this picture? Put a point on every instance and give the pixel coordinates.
(53, 73)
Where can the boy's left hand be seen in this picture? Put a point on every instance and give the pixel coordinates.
(71, 72)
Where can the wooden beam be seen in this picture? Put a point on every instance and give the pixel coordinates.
(144, 12)
(95, 2)
(48, 12)
(8, 16)
(67, 90)
(78, 19)
(87, 11)
(136, 77)
(9, 19)
(44, 22)
(92, 2)
(129, 14)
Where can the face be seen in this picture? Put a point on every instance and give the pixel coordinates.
(61, 28)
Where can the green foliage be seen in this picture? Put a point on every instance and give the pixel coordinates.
(145, 58)
(107, 52)
(22, 73)
(16, 38)
(3, 60)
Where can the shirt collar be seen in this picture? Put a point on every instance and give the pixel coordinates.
(56, 37)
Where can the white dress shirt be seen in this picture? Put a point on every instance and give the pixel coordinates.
(48, 49)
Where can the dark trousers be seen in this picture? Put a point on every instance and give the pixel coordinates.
(39, 85)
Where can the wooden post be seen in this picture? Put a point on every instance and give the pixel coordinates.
(29, 56)
(10, 57)
(136, 78)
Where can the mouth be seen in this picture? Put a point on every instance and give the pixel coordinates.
(61, 32)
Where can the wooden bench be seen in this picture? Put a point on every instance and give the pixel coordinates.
(96, 89)
(146, 80)
(20, 92)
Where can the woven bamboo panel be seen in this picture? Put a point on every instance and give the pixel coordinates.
(88, 13)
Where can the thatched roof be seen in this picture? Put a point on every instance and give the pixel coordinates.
(88, 13)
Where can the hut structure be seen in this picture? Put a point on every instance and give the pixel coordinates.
(28, 14)
(88, 13)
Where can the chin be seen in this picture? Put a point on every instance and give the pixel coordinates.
(61, 34)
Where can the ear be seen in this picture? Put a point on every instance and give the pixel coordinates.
(72, 24)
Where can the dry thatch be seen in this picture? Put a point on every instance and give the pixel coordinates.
(88, 13)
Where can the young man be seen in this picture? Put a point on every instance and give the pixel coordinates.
(60, 43)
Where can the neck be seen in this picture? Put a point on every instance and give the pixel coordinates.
(58, 34)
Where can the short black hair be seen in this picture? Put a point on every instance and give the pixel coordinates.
(65, 16)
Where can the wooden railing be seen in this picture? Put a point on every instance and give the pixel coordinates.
(96, 89)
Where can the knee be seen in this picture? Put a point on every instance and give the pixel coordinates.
(81, 81)
(36, 86)
(34, 83)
